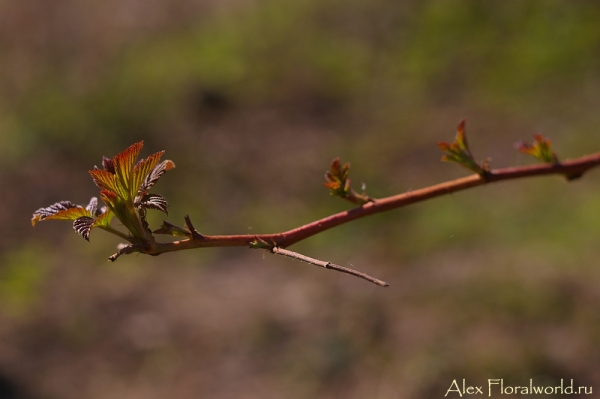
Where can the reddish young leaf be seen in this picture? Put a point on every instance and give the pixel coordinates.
(541, 149)
(106, 180)
(459, 151)
(336, 179)
(338, 183)
(124, 163)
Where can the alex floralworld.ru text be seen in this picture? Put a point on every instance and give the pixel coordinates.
(497, 386)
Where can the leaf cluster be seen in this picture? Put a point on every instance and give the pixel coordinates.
(124, 188)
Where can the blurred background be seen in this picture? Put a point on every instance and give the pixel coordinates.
(252, 100)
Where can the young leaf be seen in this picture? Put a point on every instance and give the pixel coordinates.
(84, 218)
(338, 183)
(143, 169)
(154, 201)
(92, 207)
(459, 151)
(152, 177)
(83, 225)
(124, 163)
(106, 180)
(173, 230)
(108, 165)
(336, 179)
(63, 210)
(541, 149)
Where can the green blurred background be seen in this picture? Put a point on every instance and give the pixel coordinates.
(252, 100)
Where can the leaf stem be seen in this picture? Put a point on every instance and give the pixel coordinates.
(115, 232)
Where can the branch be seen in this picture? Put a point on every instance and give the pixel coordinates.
(124, 188)
(571, 169)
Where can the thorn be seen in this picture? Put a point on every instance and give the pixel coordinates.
(195, 235)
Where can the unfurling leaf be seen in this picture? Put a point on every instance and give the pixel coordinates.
(338, 183)
(83, 225)
(92, 207)
(541, 149)
(154, 201)
(108, 165)
(459, 151)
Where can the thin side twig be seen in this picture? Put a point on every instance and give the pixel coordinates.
(327, 265)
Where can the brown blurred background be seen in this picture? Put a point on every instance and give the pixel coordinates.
(252, 100)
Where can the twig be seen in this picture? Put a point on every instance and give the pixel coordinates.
(327, 265)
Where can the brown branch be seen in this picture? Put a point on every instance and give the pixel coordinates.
(571, 169)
